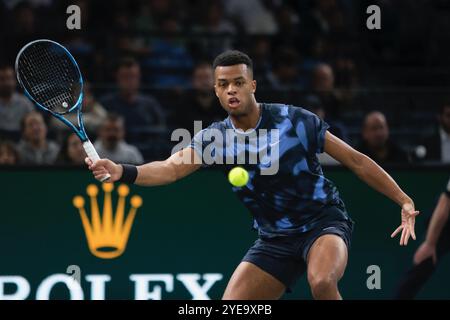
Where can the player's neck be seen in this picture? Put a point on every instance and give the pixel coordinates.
(248, 121)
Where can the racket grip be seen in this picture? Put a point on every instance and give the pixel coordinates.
(93, 155)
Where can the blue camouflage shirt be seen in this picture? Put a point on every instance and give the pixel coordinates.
(287, 191)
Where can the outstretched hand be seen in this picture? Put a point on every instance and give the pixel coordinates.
(408, 217)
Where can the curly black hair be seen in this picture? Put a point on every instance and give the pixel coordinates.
(231, 58)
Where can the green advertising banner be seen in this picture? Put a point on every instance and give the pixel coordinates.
(65, 236)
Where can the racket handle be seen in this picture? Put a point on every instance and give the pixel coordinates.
(93, 155)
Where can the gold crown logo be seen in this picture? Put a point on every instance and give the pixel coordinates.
(107, 237)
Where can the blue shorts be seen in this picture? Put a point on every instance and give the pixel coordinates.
(285, 257)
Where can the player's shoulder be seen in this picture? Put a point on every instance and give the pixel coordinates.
(279, 111)
(215, 126)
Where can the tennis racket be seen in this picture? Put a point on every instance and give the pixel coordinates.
(51, 79)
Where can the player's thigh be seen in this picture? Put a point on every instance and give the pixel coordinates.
(327, 259)
(249, 282)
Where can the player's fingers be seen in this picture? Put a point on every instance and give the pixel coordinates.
(402, 237)
(414, 213)
(407, 236)
(99, 172)
(411, 228)
(98, 164)
(99, 176)
(88, 161)
(396, 231)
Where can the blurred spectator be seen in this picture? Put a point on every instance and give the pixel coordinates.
(200, 103)
(8, 153)
(144, 22)
(169, 61)
(285, 73)
(111, 144)
(128, 28)
(437, 146)
(214, 30)
(347, 83)
(336, 127)
(93, 113)
(22, 27)
(260, 52)
(287, 20)
(376, 142)
(72, 151)
(139, 111)
(317, 51)
(252, 16)
(323, 87)
(213, 21)
(13, 106)
(156, 11)
(325, 17)
(34, 148)
(167, 36)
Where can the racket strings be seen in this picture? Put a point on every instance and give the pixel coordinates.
(50, 76)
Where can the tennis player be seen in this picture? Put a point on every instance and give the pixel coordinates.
(302, 222)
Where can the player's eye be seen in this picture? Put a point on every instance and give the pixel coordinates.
(239, 83)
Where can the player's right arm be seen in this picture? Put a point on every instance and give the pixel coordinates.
(438, 220)
(155, 173)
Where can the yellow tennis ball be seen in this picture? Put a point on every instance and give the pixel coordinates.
(238, 177)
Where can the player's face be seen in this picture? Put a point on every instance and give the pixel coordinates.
(235, 87)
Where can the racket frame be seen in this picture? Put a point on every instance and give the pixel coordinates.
(80, 132)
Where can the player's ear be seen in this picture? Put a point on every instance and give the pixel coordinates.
(253, 86)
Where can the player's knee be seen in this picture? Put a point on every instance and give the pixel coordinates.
(321, 285)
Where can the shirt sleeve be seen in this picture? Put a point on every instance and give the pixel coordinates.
(197, 142)
(201, 141)
(310, 129)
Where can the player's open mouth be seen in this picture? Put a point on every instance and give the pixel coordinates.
(234, 102)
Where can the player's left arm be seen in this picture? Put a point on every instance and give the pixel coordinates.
(371, 173)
